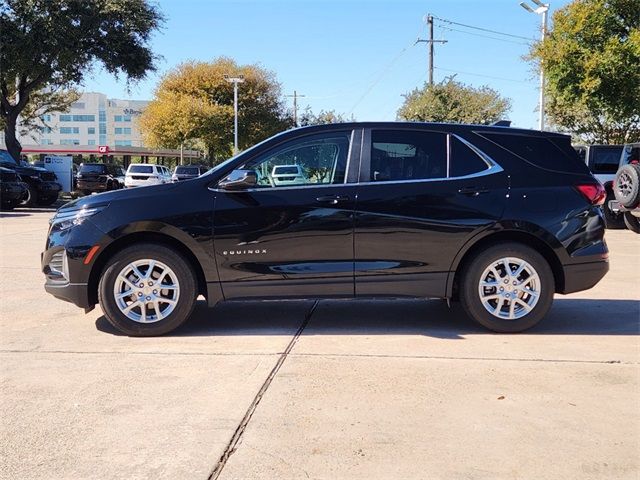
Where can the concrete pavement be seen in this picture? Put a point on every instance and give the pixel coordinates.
(376, 389)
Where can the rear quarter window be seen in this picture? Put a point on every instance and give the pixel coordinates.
(549, 153)
(140, 169)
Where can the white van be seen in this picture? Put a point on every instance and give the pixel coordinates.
(143, 174)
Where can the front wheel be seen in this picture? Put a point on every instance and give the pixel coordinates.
(147, 290)
(508, 287)
(632, 222)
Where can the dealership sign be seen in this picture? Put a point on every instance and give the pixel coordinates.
(103, 149)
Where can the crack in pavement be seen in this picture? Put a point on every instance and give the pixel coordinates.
(237, 435)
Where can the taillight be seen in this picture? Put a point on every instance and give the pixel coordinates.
(593, 192)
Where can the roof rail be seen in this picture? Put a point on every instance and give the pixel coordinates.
(501, 123)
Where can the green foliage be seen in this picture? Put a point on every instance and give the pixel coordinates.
(194, 101)
(324, 117)
(591, 59)
(48, 45)
(454, 102)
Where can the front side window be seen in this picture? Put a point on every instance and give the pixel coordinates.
(407, 155)
(314, 160)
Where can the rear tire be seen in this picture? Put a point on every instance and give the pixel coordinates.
(149, 310)
(31, 197)
(612, 220)
(488, 291)
(632, 223)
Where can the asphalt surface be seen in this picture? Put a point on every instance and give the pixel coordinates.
(327, 390)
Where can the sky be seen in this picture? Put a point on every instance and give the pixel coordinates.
(353, 56)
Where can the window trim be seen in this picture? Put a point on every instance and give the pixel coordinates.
(352, 152)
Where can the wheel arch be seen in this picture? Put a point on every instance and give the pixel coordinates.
(503, 236)
(142, 237)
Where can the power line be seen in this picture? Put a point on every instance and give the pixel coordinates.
(484, 29)
(481, 35)
(485, 76)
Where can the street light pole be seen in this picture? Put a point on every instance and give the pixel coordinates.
(235, 81)
(543, 9)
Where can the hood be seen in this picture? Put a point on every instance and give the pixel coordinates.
(129, 194)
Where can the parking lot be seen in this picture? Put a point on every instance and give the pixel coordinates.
(328, 390)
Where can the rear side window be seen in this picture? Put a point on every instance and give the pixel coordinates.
(188, 170)
(550, 154)
(464, 161)
(140, 169)
(605, 159)
(87, 169)
(407, 155)
(631, 154)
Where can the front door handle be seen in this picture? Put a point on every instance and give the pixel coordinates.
(332, 199)
(472, 191)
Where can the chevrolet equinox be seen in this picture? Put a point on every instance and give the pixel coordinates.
(495, 217)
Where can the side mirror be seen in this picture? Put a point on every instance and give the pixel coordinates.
(239, 180)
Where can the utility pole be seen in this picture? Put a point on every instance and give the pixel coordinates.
(235, 81)
(543, 9)
(430, 41)
(295, 106)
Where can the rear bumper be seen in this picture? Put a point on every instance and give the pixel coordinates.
(583, 276)
(94, 186)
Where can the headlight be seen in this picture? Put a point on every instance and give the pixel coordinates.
(71, 218)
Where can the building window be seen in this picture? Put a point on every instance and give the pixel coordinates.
(91, 130)
(102, 116)
(103, 140)
(91, 142)
(123, 143)
(45, 129)
(103, 129)
(46, 141)
(67, 130)
(126, 118)
(78, 105)
(117, 118)
(69, 141)
(65, 118)
(127, 131)
(77, 118)
(46, 118)
(118, 130)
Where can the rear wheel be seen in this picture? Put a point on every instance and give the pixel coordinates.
(507, 288)
(147, 290)
(31, 196)
(632, 223)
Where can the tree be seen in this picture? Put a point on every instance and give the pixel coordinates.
(455, 102)
(324, 117)
(49, 45)
(194, 101)
(591, 59)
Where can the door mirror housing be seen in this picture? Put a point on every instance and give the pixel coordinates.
(239, 180)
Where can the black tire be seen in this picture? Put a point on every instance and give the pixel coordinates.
(185, 277)
(612, 220)
(470, 282)
(31, 196)
(626, 186)
(46, 201)
(632, 223)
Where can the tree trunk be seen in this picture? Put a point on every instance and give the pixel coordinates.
(13, 145)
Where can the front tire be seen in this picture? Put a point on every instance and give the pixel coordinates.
(147, 290)
(508, 287)
(632, 222)
(31, 197)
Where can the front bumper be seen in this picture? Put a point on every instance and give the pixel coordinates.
(13, 191)
(76, 293)
(583, 276)
(49, 188)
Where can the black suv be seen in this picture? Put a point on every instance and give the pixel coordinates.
(99, 177)
(496, 217)
(42, 185)
(187, 172)
(12, 189)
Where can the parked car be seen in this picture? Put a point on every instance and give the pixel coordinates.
(143, 174)
(187, 172)
(626, 187)
(99, 177)
(288, 175)
(604, 161)
(495, 217)
(12, 189)
(42, 187)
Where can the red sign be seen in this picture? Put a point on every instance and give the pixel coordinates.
(103, 149)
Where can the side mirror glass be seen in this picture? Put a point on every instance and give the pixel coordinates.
(239, 180)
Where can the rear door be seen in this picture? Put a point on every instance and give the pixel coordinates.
(290, 240)
(422, 195)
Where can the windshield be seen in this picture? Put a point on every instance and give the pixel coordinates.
(92, 169)
(140, 169)
(187, 170)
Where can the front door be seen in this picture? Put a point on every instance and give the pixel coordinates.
(292, 235)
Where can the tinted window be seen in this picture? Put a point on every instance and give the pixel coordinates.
(285, 170)
(631, 154)
(605, 159)
(188, 170)
(92, 169)
(551, 154)
(322, 159)
(464, 161)
(140, 169)
(407, 155)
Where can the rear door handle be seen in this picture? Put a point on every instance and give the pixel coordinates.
(332, 199)
(472, 191)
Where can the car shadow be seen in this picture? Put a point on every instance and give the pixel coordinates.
(568, 316)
